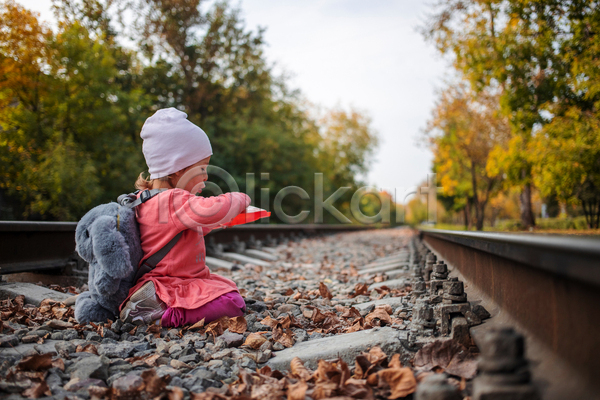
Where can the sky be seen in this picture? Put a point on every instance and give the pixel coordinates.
(355, 53)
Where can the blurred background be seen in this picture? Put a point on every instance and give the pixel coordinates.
(499, 99)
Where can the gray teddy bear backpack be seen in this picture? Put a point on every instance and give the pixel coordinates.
(108, 238)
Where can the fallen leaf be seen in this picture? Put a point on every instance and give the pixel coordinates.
(401, 381)
(207, 396)
(376, 355)
(380, 315)
(154, 384)
(318, 316)
(449, 355)
(98, 392)
(268, 321)
(36, 362)
(387, 308)
(287, 338)
(324, 291)
(395, 361)
(58, 363)
(351, 313)
(356, 326)
(297, 391)
(155, 329)
(217, 327)
(175, 393)
(196, 326)
(90, 348)
(297, 368)
(255, 340)
(238, 325)
(324, 390)
(37, 389)
(359, 289)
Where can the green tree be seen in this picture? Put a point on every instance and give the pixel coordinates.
(570, 150)
(71, 141)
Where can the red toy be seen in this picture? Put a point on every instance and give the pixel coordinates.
(251, 214)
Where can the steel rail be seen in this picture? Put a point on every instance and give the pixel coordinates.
(571, 257)
(27, 246)
(546, 285)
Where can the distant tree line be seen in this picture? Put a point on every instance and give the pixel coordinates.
(73, 100)
(523, 106)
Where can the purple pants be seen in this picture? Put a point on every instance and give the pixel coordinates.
(230, 304)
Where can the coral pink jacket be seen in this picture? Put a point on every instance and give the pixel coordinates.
(181, 278)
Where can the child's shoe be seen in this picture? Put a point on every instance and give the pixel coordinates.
(144, 306)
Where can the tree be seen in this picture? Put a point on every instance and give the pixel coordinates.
(509, 46)
(73, 102)
(567, 149)
(463, 130)
(69, 130)
(570, 150)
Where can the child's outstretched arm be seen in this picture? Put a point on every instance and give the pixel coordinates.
(193, 212)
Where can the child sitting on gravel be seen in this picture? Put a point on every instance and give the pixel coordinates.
(181, 289)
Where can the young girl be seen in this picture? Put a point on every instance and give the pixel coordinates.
(180, 290)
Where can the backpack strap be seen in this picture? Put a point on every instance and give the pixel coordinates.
(150, 263)
(131, 200)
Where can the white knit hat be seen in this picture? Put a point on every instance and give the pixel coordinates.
(172, 143)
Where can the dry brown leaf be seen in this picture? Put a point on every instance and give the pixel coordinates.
(395, 361)
(207, 396)
(289, 292)
(37, 390)
(90, 348)
(153, 384)
(268, 321)
(297, 368)
(238, 324)
(216, 328)
(287, 339)
(196, 326)
(36, 362)
(255, 340)
(155, 330)
(175, 393)
(351, 313)
(331, 322)
(401, 381)
(297, 391)
(286, 321)
(20, 301)
(449, 355)
(98, 392)
(324, 390)
(324, 291)
(387, 308)
(357, 389)
(58, 363)
(151, 360)
(380, 315)
(359, 289)
(318, 316)
(376, 355)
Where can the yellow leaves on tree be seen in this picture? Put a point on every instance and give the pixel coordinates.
(23, 55)
(464, 129)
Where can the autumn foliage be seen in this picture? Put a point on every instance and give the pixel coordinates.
(539, 61)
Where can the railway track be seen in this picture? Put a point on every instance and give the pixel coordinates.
(39, 246)
(440, 300)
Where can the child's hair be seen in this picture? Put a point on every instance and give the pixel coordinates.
(146, 183)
